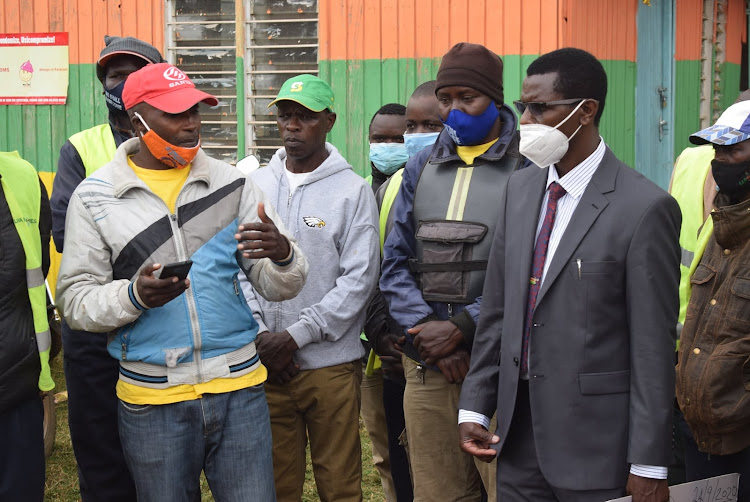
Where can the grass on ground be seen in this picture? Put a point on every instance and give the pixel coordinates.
(62, 476)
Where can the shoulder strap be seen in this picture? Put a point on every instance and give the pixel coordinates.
(394, 184)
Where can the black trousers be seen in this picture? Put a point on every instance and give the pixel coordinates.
(91, 375)
(393, 402)
(700, 465)
(519, 477)
(22, 452)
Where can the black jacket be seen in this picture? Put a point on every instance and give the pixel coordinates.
(19, 357)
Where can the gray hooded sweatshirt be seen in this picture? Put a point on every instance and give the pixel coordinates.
(334, 218)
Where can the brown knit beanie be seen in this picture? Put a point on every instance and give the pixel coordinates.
(475, 66)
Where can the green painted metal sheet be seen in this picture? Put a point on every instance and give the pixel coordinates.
(241, 121)
(38, 132)
(363, 86)
(687, 91)
(730, 85)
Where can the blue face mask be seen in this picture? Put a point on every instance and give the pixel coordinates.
(418, 141)
(467, 129)
(388, 157)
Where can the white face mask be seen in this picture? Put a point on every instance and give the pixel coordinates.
(544, 145)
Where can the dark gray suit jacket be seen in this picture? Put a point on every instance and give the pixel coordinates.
(601, 348)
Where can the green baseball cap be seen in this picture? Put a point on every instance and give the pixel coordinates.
(308, 90)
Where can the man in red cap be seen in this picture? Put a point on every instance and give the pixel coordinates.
(191, 383)
(90, 373)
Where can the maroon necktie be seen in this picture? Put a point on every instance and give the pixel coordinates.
(537, 267)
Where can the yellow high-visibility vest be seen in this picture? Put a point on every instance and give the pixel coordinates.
(22, 191)
(688, 180)
(96, 146)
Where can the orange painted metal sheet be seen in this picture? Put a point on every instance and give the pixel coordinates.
(385, 29)
(606, 28)
(736, 24)
(688, 20)
(86, 21)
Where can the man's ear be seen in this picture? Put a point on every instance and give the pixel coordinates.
(589, 109)
(331, 120)
(135, 122)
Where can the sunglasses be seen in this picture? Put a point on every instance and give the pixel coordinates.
(537, 108)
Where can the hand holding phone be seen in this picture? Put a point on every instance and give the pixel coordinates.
(178, 269)
(156, 291)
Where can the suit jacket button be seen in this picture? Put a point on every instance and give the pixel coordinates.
(515, 360)
(696, 351)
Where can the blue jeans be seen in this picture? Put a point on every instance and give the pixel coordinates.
(227, 436)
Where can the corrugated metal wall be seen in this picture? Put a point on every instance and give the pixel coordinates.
(689, 15)
(687, 76)
(377, 51)
(38, 132)
(730, 73)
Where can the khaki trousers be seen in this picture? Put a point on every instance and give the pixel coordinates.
(321, 404)
(373, 415)
(440, 470)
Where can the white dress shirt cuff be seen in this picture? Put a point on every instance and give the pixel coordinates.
(649, 471)
(472, 416)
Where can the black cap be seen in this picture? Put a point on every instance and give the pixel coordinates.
(117, 46)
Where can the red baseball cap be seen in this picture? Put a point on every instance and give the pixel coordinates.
(165, 87)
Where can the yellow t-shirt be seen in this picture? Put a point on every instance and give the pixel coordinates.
(143, 395)
(469, 153)
(167, 185)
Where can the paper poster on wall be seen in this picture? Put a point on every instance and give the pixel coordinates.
(33, 68)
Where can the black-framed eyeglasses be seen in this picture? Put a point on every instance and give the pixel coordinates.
(537, 108)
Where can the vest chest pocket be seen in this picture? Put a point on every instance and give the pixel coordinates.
(444, 260)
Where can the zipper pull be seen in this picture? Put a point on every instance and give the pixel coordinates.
(420, 373)
(236, 289)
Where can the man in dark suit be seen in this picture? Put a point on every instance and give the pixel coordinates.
(582, 293)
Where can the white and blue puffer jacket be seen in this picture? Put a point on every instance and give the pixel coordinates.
(116, 226)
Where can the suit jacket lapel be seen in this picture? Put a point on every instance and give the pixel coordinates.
(525, 219)
(589, 208)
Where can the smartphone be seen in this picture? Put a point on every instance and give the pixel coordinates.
(178, 269)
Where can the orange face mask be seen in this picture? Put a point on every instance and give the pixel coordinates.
(167, 153)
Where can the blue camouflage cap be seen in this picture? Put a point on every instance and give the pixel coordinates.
(732, 127)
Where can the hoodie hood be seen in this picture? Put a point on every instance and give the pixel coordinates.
(333, 164)
(334, 218)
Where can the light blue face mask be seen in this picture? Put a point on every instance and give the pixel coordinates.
(418, 141)
(388, 157)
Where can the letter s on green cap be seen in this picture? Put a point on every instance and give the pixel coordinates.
(308, 90)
